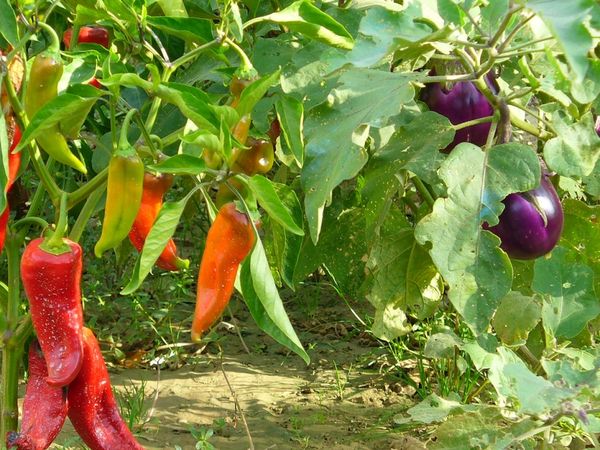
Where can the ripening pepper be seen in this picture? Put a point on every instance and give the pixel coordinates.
(257, 159)
(51, 274)
(44, 407)
(124, 192)
(88, 35)
(93, 410)
(155, 187)
(240, 132)
(14, 162)
(44, 75)
(229, 240)
(226, 195)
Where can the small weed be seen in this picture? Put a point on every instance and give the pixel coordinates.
(131, 403)
(202, 435)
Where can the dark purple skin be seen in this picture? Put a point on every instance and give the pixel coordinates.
(463, 102)
(521, 228)
(598, 125)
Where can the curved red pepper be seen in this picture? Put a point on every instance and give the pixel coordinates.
(155, 188)
(230, 239)
(14, 162)
(44, 407)
(52, 285)
(88, 35)
(92, 407)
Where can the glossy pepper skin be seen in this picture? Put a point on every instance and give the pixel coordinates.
(123, 195)
(53, 287)
(14, 162)
(461, 103)
(44, 75)
(229, 240)
(44, 407)
(524, 232)
(93, 410)
(88, 35)
(257, 159)
(155, 187)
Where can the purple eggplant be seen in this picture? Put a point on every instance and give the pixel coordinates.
(531, 223)
(461, 103)
(598, 125)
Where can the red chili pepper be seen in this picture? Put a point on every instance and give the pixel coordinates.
(155, 188)
(52, 285)
(230, 239)
(14, 162)
(88, 35)
(44, 407)
(93, 410)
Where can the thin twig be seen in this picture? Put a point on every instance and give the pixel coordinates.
(237, 404)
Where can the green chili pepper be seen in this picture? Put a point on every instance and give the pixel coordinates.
(46, 70)
(124, 192)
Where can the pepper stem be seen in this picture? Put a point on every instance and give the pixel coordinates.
(55, 243)
(123, 141)
(54, 40)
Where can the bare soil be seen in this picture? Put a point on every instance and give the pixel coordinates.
(345, 399)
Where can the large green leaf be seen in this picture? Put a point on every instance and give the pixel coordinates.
(337, 129)
(290, 113)
(479, 274)
(566, 22)
(304, 17)
(576, 149)
(8, 23)
(188, 28)
(263, 300)
(569, 298)
(515, 317)
(402, 277)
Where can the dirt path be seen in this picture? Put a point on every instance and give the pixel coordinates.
(340, 401)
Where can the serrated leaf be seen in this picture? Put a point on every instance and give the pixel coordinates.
(180, 164)
(8, 23)
(290, 113)
(266, 194)
(576, 149)
(479, 274)
(304, 17)
(337, 129)
(162, 230)
(569, 298)
(515, 317)
(566, 22)
(187, 28)
(263, 300)
(70, 107)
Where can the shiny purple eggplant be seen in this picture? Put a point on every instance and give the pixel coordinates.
(461, 103)
(597, 127)
(531, 223)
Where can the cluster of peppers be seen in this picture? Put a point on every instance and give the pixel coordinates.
(531, 223)
(67, 373)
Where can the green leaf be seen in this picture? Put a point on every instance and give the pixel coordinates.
(576, 149)
(156, 241)
(337, 130)
(415, 147)
(4, 148)
(287, 245)
(290, 113)
(478, 273)
(566, 22)
(515, 317)
(304, 17)
(434, 409)
(8, 23)
(569, 298)
(530, 393)
(253, 93)
(187, 28)
(442, 345)
(401, 275)
(266, 194)
(69, 108)
(180, 164)
(265, 305)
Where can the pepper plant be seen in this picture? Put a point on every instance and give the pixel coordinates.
(426, 157)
